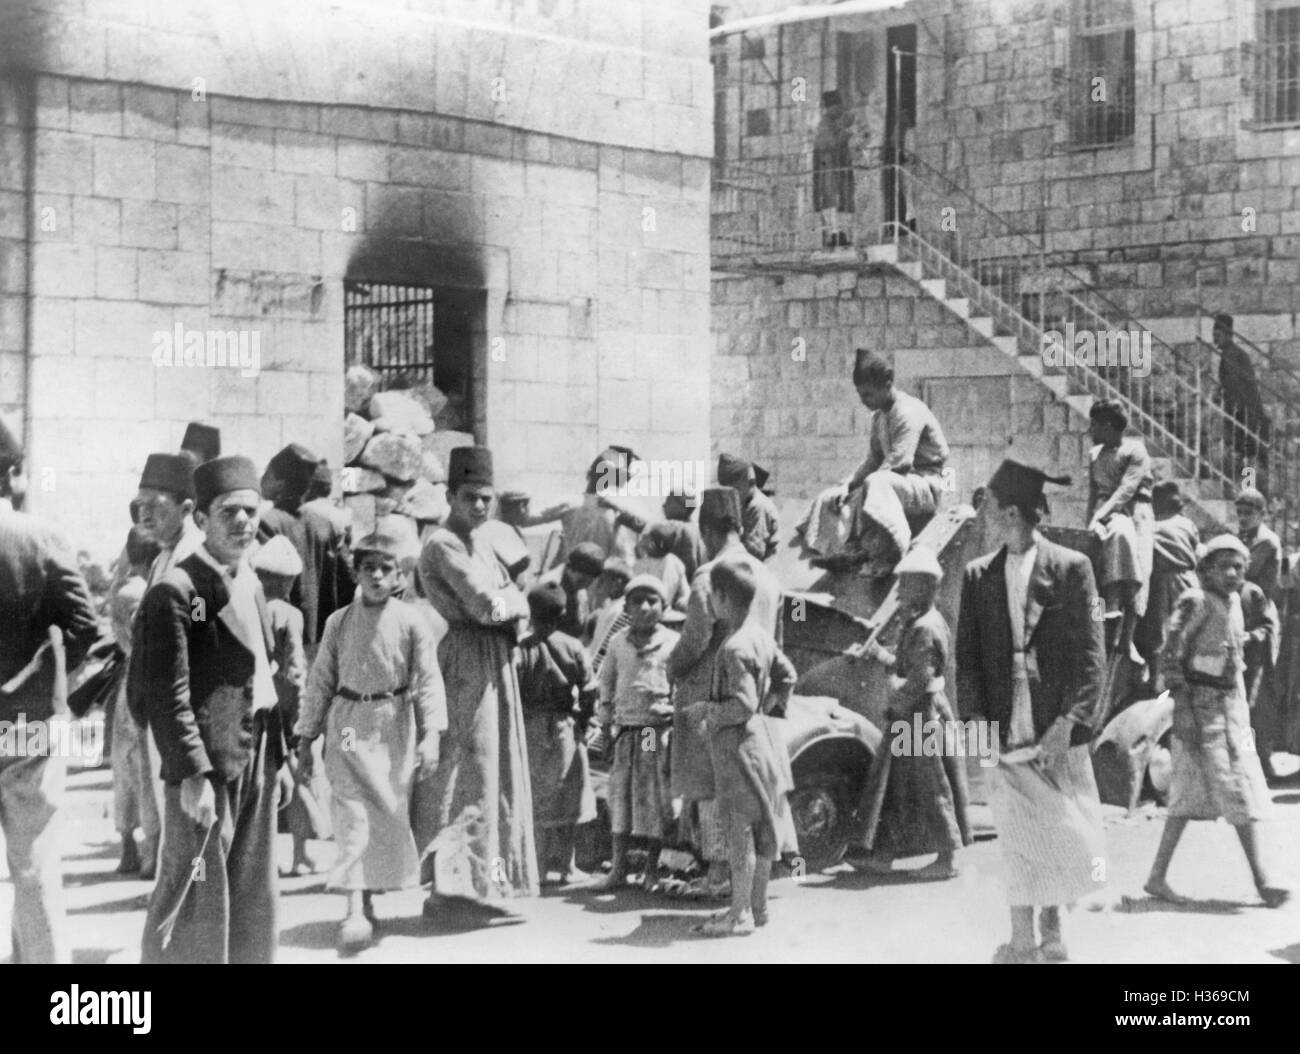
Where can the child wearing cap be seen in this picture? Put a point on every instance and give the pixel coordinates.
(558, 694)
(751, 765)
(636, 708)
(376, 675)
(278, 564)
(917, 799)
(1215, 768)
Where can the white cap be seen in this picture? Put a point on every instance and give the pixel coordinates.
(1221, 543)
(920, 560)
(278, 557)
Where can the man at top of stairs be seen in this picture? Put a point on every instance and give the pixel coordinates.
(1120, 515)
(871, 518)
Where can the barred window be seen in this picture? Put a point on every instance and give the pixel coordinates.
(1277, 71)
(1101, 72)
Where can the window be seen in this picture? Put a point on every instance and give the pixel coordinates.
(1277, 69)
(412, 336)
(1101, 72)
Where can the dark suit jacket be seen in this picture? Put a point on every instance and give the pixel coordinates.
(1060, 629)
(182, 653)
(40, 587)
(326, 583)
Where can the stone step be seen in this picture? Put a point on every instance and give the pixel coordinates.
(936, 287)
(981, 324)
(1057, 383)
(1032, 364)
(1009, 346)
(959, 306)
(885, 254)
(911, 268)
(1080, 403)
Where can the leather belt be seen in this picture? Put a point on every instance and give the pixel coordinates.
(371, 697)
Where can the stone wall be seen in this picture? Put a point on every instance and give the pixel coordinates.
(783, 394)
(374, 149)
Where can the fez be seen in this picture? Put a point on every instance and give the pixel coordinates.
(278, 557)
(1250, 498)
(202, 440)
(222, 475)
(646, 583)
(920, 560)
(616, 568)
(733, 470)
(469, 464)
(173, 473)
(513, 497)
(295, 466)
(869, 368)
(719, 505)
(546, 602)
(1022, 485)
(587, 558)
(1223, 320)
(1223, 543)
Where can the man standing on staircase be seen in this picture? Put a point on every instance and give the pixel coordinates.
(1246, 426)
(1120, 515)
(896, 490)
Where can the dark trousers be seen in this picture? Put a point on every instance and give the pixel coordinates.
(229, 913)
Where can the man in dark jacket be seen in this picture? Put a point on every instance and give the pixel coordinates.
(1030, 656)
(203, 660)
(40, 588)
(326, 582)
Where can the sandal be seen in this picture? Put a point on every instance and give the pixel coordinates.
(355, 933)
(726, 926)
(1273, 897)
(1053, 950)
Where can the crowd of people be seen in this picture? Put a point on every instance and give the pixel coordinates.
(428, 694)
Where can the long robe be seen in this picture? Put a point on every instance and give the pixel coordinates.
(369, 750)
(475, 818)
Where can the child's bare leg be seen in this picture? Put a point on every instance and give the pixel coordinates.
(130, 862)
(1156, 884)
(740, 842)
(562, 845)
(651, 877)
(1271, 895)
(356, 930)
(301, 861)
(1021, 947)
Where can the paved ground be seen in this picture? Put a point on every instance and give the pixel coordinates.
(840, 916)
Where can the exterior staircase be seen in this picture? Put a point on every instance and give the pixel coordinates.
(1007, 289)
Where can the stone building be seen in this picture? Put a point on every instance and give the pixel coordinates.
(523, 186)
(1017, 166)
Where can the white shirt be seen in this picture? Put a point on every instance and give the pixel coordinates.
(1019, 570)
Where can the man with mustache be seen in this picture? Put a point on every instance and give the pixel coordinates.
(202, 658)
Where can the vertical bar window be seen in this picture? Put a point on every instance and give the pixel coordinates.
(1102, 53)
(1277, 75)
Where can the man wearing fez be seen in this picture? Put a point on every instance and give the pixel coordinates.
(1120, 515)
(1030, 659)
(202, 657)
(761, 526)
(203, 441)
(40, 589)
(326, 583)
(690, 665)
(896, 490)
(475, 818)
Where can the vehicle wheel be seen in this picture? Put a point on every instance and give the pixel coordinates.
(820, 805)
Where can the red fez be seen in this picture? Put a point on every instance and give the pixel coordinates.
(1022, 485)
(295, 466)
(202, 440)
(173, 473)
(732, 470)
(222, 475)
(546, 602)
(469, 464)
(720, 506)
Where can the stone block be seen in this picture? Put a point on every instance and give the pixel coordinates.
(63, 383)
(358, 480)
(183, 173)
(69, 269)
(304, 152)
(396, 456)
(124, 168)
(148, 113)
(115, 274)
(95, 108)
(174, 277)
(149, 225)
(64, 161)
(397, 411)
(232, 393)
(251, 196)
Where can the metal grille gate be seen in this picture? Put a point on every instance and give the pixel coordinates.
(390, 329)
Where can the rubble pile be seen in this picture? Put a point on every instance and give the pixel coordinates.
(395, 461)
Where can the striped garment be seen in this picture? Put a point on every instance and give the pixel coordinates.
(1050, 832)
(620, 623)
